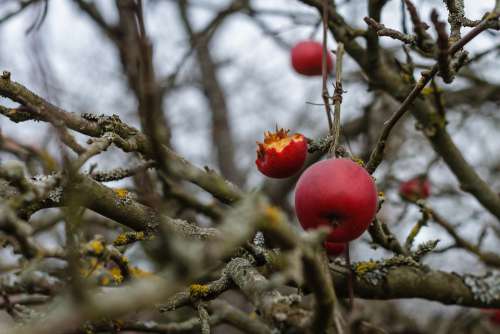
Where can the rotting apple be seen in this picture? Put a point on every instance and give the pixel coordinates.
(337, 193)
(334, 248)
(307, 58)
(415, 188)
(281, 155)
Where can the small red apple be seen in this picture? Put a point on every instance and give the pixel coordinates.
(338, 193)
(416, 188)
(495, 317)
(281, 155)
(307, 58)
(333, 248)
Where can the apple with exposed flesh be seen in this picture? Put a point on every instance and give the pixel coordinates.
(281, 155)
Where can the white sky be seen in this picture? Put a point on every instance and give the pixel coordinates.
(261, 89)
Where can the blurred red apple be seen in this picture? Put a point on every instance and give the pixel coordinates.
(416, 188)
(337, 193)
(495, 317)
(281, 155)
(307, 58)
(333, 248)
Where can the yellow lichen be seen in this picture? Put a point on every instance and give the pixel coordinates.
(120, 240)
(198, 290)
(121, 192)
(359, 161)
(362, 268)
(96, 246)
(430, 90)
(427, 91)
(104, 280)
(138, 272)
(128, 237)
(273, 214)
(116, 274)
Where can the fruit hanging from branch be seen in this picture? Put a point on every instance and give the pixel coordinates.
(416, 188)
(493, 315)
(307, 57)
(337, 193)
(334, 248)
(281, 155)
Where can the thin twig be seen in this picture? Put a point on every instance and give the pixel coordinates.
(239, 319)
(426, 76)
(324, 69)
(489, 258)
(417, 227)
(204, 319)
(423, 39)
(382, 30)
(403, 18)
(350, 277)
(442, 42)
(337, 99)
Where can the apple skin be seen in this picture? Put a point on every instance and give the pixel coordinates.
(416, 188)
(337, 193)
(307, 57)
(285, 162)
(333, 248)
(495, 317)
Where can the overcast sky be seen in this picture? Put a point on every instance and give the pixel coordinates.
(83, 75)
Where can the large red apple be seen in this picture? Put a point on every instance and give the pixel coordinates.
(338, 193)
(416, 188)
(333, 248)
(307, 58)
(281, 155)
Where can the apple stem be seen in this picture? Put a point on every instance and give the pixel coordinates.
(349, 277)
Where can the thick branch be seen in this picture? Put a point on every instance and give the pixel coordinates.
(130, 139)
(420, 282)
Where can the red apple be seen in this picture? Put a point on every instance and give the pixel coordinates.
(338, 193)
(495, 317)
(281, 155)
(416, 188)
(333, 248)
(307, 58)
